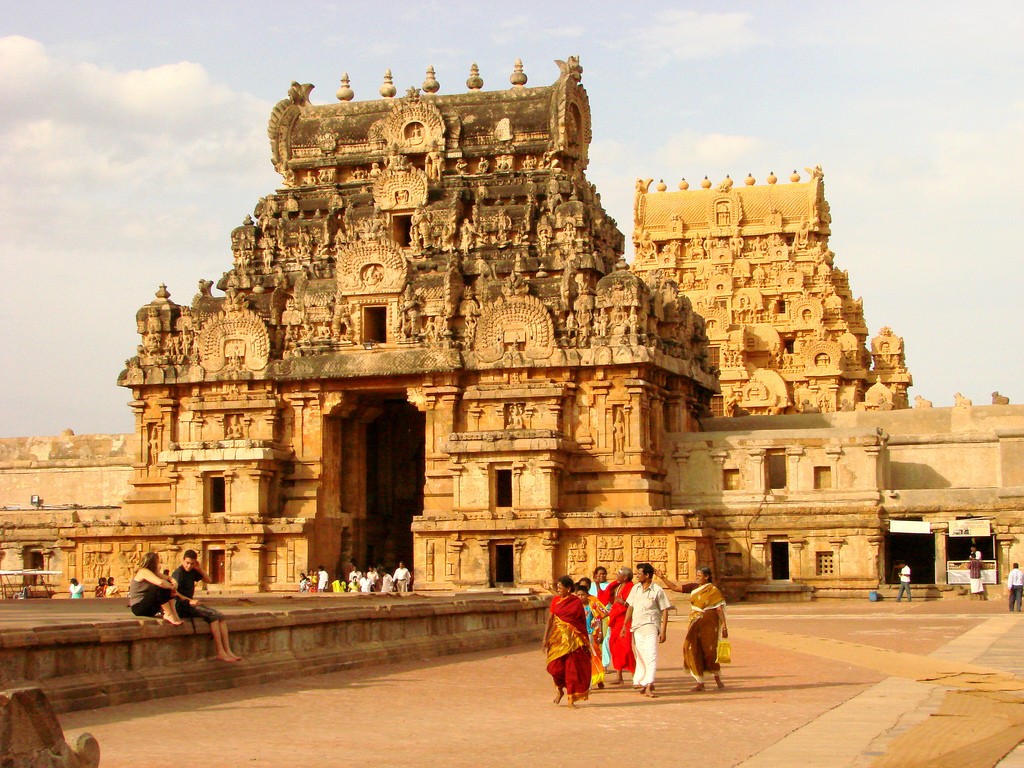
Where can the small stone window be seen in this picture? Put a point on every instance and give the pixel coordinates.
(789, 345)
(776, 470)
(216, 494)
(723, 214)
(503, 488)
(717, 407)
(824, 563)
(714, 356)
(730, 479)
(822, 478)
(375, 325)
(401, 229)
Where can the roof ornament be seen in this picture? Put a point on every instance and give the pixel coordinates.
(794, 176)
(683, 185)
(298, 93)
(430, 84)
(474, 82)
(412, 94)
(750, 180)
(706, 183)
(725, 184)
(345, 92)
(388, 90)
(772, 178)
(662, 186)
(518, 77)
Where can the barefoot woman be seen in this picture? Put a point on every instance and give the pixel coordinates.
(149, 594)
(565, 640)
(707, 616)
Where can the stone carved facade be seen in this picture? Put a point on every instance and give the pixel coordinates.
(429, 348)
(786, 333)
(428, 328)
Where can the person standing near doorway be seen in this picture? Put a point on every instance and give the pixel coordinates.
(974, 571)
(904, 584)
(1015, 585)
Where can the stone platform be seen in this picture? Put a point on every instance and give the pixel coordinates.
(94, 653)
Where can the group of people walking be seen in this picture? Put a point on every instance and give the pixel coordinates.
(596, 626)
(376, 579)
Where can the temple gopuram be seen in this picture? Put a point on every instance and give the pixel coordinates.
(786, 334)
(428, 348)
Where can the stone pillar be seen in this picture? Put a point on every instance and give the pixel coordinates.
(941, 532)
(836, 545)
(793, 454)
(1004, 542)
(796, 558)
(755, 478)
(834, 453)
(758, 565)
(876, 542)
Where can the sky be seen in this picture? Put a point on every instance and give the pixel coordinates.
(133, 139)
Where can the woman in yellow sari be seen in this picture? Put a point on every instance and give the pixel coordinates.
(707, 624)
(566, 644)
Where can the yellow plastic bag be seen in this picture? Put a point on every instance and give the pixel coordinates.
(724, 652)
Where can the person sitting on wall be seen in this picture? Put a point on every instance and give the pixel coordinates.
(150, 594)
(77, 590)
(303, 583)
(185, 577)
(112, 588)
(101, 587)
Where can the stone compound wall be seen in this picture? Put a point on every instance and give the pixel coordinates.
(85, 666)
(66, 470)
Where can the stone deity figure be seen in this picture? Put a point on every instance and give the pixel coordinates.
(619, 431)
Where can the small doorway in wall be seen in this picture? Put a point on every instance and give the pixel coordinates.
(503, 565)
(780, 560)
(914, 549)
(217, 566)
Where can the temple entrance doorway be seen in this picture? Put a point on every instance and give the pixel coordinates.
(373, 480)
(914, 549)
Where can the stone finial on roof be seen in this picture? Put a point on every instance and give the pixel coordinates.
(430, 84)
(474, 82)
(749, 181)
(772, 178)
(388, 90)
(794, 176)
(518, 77)
(662, 186)
(706, 183)
(345, 92)
(683, 185)
(162, 293)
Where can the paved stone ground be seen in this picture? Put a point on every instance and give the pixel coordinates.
(820, 684)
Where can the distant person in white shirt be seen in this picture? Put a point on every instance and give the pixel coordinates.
(321, 579)
(1015, 583)
(387, 584)
(365, 584)
(904, 584)
(402, 576)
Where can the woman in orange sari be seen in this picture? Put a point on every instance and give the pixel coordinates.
(566, 644)
(620, 646)
(707, 623)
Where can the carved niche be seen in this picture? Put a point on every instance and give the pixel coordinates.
(400, 188)
(236, 339)
(370, 267)
(414, 127)
(516, 324)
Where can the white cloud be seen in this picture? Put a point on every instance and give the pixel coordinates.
(679, 35)
(110, 181)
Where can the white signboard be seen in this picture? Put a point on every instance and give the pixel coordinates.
(958, 572)
(970, 528)
(910, 526)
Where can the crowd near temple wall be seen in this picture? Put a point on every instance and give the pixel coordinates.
(429, 348)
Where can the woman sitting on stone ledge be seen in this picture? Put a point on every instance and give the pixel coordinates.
(152, 595)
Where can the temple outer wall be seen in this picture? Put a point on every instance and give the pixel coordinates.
(85, 666)
(66, 470)
(846, 476)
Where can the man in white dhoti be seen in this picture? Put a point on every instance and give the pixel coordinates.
(647, 614)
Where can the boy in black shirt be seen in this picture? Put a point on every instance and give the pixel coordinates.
(185, 577)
